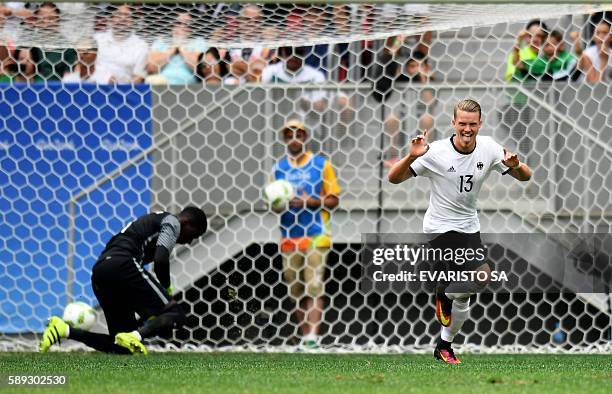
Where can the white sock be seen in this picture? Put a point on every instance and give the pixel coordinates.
(311, 337)
(137, 335)
(459, 313)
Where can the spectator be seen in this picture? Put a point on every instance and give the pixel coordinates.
(410, 46)
(7, 47)
(389, 69)
(256, 70)
(101, 17)
(18, 9)
(305, 238)
(16, 65)
(316, 57)
(341, 52)
(216, 13)
(419, 14)
(593, 20)
(84, 67)
(553, 63)
(527, 46)
(559, 62)
(243, 61)
(211, 69)
(17, 13)
(575, 38)
(342, 19)
(417, 43)
(176, 62)
(366, 61)
(8, 29)
(224, 15)
(248, 23)
(122, 55)
(332, 60)
(518, 114)
(291, 69)
(5, 60)
(596, 60)
(386, 69)
(218, 35)
(427, 122)
(237, 73)
(249, 55)
(415, 71)
(53, 63)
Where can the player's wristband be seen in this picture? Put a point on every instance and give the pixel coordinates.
(170, 290)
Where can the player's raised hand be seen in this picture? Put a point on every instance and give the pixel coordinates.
(511, 160)
(523, 36)
(419, 146)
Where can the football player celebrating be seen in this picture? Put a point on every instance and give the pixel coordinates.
(456, 167)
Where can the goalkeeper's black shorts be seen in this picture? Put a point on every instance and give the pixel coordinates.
(123, 287)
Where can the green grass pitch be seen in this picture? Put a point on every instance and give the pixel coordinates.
(312, 373)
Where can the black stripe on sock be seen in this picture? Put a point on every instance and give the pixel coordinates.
(57, 335)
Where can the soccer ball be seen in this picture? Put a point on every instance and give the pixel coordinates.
(278, 193)
(79, 315)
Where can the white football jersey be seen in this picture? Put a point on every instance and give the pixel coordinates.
(456, 179)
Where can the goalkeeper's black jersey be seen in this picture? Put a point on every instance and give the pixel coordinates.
(140, 238)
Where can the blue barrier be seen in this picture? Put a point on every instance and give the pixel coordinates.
(55, 141)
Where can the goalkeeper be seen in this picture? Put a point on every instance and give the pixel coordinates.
(123, 287)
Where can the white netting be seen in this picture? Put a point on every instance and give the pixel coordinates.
(80, 160)
(243, 25)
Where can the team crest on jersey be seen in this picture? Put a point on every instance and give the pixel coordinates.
(452, 169)
(480, 165)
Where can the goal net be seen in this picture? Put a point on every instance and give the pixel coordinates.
(240, 24)
(81, 157)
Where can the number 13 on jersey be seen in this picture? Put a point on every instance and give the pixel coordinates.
(465, 183)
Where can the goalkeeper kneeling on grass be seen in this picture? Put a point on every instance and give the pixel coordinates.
(123, 287)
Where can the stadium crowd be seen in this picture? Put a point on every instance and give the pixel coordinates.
(121, 55)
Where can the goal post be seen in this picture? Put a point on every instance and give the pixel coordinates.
(80, 161)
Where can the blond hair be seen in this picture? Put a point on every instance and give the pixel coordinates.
(467, 105)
